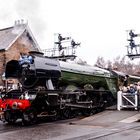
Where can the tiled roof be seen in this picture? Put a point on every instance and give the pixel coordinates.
(9, 35)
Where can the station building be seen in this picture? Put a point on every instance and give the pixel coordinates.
(14, 41)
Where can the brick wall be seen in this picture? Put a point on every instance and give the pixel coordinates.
(2, 63)
(21, 45)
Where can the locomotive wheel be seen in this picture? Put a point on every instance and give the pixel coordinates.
(88, 87)
(92, 111)
(66, 113)
(71, 88)
(89, 112)
(29, 116)
(85, 112)
(9, 117)
(56, 116)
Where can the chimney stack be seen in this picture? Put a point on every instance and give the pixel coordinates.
(20, 22)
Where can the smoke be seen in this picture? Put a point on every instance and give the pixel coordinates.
(30, 10)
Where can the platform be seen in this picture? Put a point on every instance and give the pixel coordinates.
(107, 125)
(111, 124)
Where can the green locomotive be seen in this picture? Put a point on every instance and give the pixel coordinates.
(58, 89)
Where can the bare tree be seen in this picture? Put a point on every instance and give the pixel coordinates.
(100, 62)
(119, 64)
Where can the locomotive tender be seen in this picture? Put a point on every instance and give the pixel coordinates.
(57, 89)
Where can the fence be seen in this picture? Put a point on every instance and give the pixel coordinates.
(128, 100)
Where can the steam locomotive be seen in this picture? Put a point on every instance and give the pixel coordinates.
(57, 89)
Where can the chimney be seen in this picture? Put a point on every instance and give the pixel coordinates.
(20, 22)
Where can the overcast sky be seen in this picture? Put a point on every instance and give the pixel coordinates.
(100, 25)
